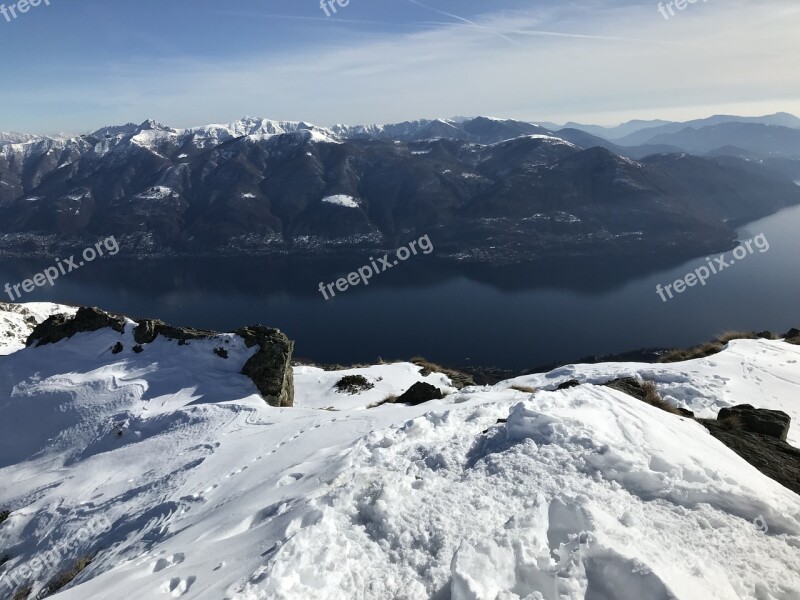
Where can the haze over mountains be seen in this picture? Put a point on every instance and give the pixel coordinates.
(485, 189)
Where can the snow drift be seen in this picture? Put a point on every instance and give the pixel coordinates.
(488, 494)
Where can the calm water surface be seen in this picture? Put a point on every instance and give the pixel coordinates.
(513, 318)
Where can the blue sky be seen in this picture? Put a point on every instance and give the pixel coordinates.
(76, 65)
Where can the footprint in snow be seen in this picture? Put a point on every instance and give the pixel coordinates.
(229, 475)
(290, 479)
(177, 587)
(170, 561)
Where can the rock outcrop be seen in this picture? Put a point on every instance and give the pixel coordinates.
(60, 327)
(148, 330)
(759, 437)
(270, 367)
(773, 423)
(419, 393)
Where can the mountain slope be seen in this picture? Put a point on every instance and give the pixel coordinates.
(486, 190)
(207, 492)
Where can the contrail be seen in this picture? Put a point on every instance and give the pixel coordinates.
(467, 21)
(534, 32)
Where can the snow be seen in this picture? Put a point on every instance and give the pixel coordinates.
(538, 136)
(315, 387)
(18, 320)
(488, 494)
(342, 200)
(158, 192)
(764, 373)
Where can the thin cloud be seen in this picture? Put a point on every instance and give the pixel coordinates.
(462, 19)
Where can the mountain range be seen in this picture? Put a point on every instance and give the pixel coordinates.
(484, 189)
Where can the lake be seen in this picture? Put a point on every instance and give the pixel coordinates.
(512, 318)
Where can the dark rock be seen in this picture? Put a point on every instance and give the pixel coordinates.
(118, 347)
(793, 336)
(138, 349)
(685, 412)
(271, 367)
(773, 423)
(148, 330)
(774, 458)
(420, 393)
(60, 327)
(568, 384)
(765, 335)
(221, 352)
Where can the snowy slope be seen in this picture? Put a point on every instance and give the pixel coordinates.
(211, 493)
(18, 320)
(763, 373)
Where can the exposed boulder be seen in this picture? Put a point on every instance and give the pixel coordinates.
(271, 367)
(773, 423)
(774, 458)
(792, 336)
(420, 393)
(60, 327)
(565, 385)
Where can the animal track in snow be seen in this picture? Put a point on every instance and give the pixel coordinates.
(290, 479)
(170, 561)
(177, 587)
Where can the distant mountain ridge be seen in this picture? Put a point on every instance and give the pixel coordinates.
(637, 132)
(487, 190)
(647, 135)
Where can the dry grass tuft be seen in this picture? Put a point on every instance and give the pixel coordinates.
(390, 399)
(353, 384)
(707, 349)
(729, 336)
(460, 380)
(525, 389)
(653, 398)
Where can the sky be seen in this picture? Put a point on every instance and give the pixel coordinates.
(77, 65)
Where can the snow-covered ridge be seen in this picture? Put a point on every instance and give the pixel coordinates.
(17, 322)
(151, 133)
(491, 493)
